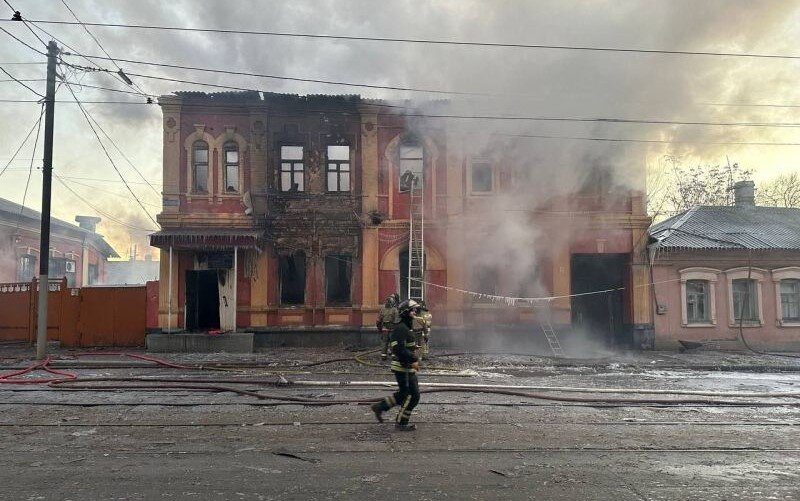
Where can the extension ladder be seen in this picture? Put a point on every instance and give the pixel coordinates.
(416, 240)
(543, 316)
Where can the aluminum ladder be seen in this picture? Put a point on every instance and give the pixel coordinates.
(416, 240)
(543, 316)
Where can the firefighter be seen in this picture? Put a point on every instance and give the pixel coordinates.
(423, 320)
(387, 317)
(405, 365)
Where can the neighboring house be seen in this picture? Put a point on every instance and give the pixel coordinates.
(285, 211)
(718, 268)
(77, 253)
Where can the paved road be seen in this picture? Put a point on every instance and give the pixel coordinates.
(183, 444)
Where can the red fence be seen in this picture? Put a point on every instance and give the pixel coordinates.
(90, 316)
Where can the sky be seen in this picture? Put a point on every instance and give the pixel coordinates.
(517, 81)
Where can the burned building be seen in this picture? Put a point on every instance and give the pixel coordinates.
(286, 213)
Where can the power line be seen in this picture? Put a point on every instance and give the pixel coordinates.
(18, 18)
(430, 41)
(14, 79)
(132, 84)
(121, 195)
(30, 172)
(27, 136)
(653, 141)
(26, 44)
(111, 160)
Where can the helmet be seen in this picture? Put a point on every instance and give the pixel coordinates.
(390, 301)
(407, 307)
(422, 305)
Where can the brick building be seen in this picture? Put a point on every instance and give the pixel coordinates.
(284, 212)
(77, 253)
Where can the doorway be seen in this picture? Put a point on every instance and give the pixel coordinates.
(202, 300)
(600, 316)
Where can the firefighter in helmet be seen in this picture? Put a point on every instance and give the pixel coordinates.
(387, 317)
(421, 325)
(405, 365)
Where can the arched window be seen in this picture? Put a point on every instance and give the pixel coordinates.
(231, 172)
(200, 167)
(411, 161)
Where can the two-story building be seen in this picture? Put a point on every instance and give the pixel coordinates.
(285, 212)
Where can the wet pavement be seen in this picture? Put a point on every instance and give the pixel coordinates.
(627, 437)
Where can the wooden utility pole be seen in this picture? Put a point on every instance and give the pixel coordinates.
(47, 178)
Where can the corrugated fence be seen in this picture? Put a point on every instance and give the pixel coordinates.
(85, 317)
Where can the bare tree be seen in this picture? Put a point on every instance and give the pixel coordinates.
(674, 187)
(782, 191)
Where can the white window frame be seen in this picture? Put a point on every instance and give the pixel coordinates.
(711, 276)
(788, 273)
(470, 189)
(758, 276)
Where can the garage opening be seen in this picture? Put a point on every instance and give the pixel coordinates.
(202, 300)
(600, 316)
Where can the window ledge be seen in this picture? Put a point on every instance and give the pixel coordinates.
(790, 323)
(699, 325)
(746, 325)
(229, 195)
(481, 193)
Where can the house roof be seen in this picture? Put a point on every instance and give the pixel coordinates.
(708, 228)
(10, 211)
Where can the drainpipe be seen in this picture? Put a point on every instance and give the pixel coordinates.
(235, 283)
(169, 295)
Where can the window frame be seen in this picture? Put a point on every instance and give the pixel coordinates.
(33, 260)
(778, 276)
(708, 275)
(195, 164)
(411, 143)
(757, 275)
(697, 298)
(296, 166)
(338, 170)
(231, 145)
(339, 258)
(281, 300)
(481, 162)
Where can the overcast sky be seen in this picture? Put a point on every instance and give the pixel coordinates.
(537, 82)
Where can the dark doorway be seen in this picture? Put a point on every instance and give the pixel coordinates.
(202, 300)
(600, 316)
(292, 270)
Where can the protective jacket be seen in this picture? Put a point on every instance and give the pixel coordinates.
(403, 345)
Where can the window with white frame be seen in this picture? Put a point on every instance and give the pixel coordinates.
(292, 169)
(787, 295)
(231, 172)
(745, 300)
(698, 296)
(338, 168)
(200, 167)
(790, 300)
(412, 158)
(481, 177)
(697, 302)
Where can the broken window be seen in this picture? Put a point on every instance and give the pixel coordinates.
(745, 300)
(292, 170)
(231, 181)
(481, 177)
(200, 167)
(338, 168)
(26, 269)
(790, 300)
(411, 160)
(338, 275)
(293, 278)
(697, 302)
(484, 280)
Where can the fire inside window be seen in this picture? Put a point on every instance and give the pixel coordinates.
(338, 168)
(200, 167)
(231, 150)
(292, 170)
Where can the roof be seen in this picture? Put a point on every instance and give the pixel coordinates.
(57, 226)
(708, 227)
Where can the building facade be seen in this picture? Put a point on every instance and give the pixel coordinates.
(728, 276)
(286, 212)
(77, 253)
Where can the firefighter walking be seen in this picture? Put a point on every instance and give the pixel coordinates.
(421, 325)
(405, 365)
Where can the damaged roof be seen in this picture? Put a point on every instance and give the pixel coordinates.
(709, 228)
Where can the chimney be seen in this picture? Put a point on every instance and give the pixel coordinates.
(88, 222)
(744, 194)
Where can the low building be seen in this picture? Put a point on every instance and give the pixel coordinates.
(131, 271)
(285, 212)
(77, 253)
(723, 273)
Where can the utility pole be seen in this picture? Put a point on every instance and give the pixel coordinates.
(47, 178)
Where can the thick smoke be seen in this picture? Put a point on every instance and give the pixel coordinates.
(522, 82)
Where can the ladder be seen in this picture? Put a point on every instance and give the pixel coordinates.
(416, 240)
(542, 310)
